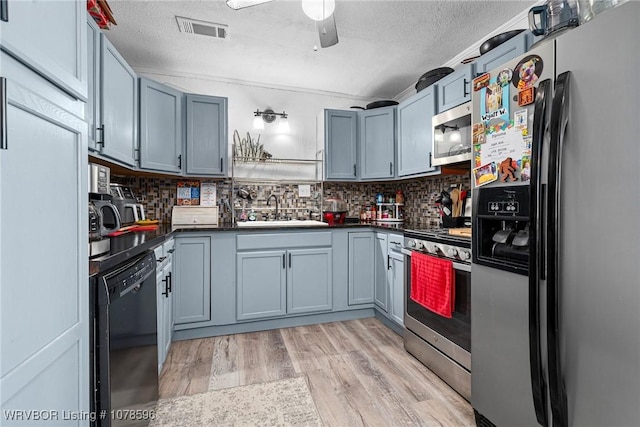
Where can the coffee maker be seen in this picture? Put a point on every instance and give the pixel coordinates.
(501, 228)
(103, 215)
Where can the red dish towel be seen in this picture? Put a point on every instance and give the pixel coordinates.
(433, 283)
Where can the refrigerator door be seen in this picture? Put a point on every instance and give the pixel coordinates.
(598, 223)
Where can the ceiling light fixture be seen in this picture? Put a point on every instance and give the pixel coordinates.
(241, 4)
(318, 10)
(269, 116)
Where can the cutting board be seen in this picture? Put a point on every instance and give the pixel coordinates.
(463, 232)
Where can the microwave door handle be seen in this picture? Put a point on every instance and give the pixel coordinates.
(538, 385)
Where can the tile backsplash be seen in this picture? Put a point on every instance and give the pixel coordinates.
(158, 195)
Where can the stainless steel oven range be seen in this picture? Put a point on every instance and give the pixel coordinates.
(441, 344)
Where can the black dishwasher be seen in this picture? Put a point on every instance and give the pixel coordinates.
(125, 343)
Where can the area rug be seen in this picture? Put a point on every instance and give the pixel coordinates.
(277, 403)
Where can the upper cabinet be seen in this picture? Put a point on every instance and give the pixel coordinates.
(508, 50)
(377, 143)
(92, 109)
(341, 145)
(455, 89)
(207, 145)
(118, 130)
(415, 133)
(160, 127)
(49, 37)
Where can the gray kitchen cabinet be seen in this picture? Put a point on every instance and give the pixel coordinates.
(309, 281)
(282, 274)
(361, 272)
(377, 143)
(341, 145)
(49, 37)
(207, 146)
(508, 50)
(192, 287)
(44, 307)
(455, 89)
(261, 284)
(160, 127)
(381, 288)
(92, 107)
(396, 286)
(164, 295)
(415, 132)
(118, 130)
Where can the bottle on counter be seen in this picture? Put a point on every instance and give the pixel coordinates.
(399, 197)
(379, 198)
(374, 213)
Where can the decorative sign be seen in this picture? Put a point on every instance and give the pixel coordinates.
(481, 81)
(188, 193)
(526, 96)
(208, 194)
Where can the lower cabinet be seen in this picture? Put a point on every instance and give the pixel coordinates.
(381, 262)
(275, 283)
(389, 276)
(164, 295)
(361, 273)
(396, 286)
(192, 286)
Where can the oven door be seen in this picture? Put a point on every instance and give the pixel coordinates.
(451, 337)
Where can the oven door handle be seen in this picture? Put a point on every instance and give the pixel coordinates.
(456, 265)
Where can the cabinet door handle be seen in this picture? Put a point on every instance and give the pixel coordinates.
(101, 141)
(179, 161)
(4, 10)
(289, 260)
(388, 262)
(390, 168)
(170, 282)
(430, 159)
(166, 286)
(221, 164)
(465, 88)
(3, 114)
(284, 265)
(354, 170)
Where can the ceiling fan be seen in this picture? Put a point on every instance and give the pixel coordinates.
(320, 11)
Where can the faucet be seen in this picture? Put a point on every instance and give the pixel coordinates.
(269, 203)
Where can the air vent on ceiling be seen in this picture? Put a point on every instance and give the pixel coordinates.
(210, 29)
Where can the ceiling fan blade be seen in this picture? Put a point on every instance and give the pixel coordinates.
(241, 4)
(327, 32)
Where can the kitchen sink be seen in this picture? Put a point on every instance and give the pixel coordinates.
(291, 223)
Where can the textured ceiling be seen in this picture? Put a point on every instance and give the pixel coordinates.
(385, 46)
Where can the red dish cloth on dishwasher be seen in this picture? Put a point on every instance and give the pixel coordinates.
(433, 283)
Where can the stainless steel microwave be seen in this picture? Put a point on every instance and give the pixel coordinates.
(452, 135)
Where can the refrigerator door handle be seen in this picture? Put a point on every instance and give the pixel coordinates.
(538, 385)
(559, 120)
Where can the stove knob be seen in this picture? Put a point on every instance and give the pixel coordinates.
(433, 249)
(452, 252)
(421, 246)
(465, 255)
(412, 243)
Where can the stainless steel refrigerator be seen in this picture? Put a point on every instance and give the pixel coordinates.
(555, 280)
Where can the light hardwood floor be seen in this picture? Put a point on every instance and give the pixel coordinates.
(358, 373)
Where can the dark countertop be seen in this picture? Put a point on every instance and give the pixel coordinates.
(129, 245)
